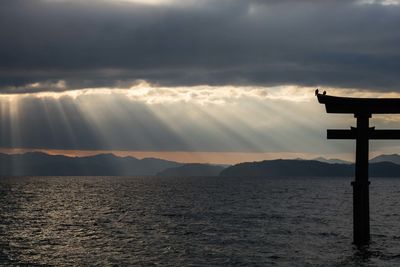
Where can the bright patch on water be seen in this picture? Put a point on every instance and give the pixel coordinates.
(192, 222)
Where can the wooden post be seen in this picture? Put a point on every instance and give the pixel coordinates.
(361, 183)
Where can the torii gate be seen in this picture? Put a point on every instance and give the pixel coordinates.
(362, 108)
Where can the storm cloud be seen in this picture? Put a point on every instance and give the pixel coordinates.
(99, 43)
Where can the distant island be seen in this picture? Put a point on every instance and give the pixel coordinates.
(306, 168)
(41, 164)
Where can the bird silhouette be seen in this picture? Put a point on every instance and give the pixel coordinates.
(324, 93)
(316, 91)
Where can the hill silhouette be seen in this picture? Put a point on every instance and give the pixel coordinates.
(394, 158)
(306, 168)
(322, 159)
(37, 163)
(41, 164)
(281, 168)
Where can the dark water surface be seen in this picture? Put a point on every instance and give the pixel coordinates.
(122, 221)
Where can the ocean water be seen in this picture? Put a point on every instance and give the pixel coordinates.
(134, 221)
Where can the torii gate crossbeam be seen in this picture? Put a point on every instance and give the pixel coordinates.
(362, 108)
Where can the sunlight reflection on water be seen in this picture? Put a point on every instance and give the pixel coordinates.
(192, 221)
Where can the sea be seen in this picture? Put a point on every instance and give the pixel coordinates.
(182, 221)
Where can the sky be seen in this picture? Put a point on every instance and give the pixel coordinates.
(219, 81)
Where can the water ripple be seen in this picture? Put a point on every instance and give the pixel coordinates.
(122, 221)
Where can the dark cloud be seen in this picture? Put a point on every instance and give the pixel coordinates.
(105, 43)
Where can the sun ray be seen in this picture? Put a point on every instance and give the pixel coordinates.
(145, 117)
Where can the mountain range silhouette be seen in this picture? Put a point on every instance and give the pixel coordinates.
(41, 164)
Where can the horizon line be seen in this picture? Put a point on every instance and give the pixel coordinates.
(210, 157)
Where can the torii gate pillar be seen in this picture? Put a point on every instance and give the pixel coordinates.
(362, 108)
(361, 184)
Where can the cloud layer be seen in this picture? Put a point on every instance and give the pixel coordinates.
(100, 43)
(203, 119)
